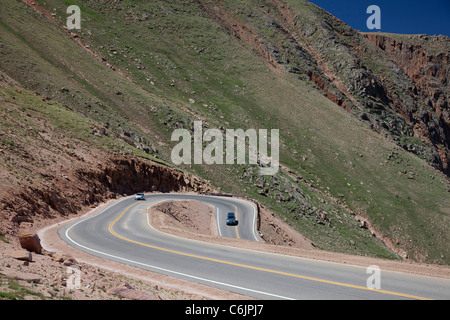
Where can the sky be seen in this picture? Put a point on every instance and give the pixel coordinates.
(430, 17)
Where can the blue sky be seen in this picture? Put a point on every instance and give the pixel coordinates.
(397, 16)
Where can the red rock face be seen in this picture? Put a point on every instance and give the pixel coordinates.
(428, 69)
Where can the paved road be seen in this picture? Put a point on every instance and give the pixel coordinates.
(121, 233)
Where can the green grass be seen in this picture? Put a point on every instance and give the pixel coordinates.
(15, 291)
(3, 238)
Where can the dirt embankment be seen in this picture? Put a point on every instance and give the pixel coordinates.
(186, 217)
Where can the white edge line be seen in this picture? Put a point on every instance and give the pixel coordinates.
(254, 222)
(159, 268)
(217, 222)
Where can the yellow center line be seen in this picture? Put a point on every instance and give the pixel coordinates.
(111, 230)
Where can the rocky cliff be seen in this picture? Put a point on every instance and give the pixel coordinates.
(425, 61)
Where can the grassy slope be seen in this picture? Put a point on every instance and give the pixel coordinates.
(178, 53)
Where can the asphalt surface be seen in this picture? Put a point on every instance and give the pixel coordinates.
(121, 233)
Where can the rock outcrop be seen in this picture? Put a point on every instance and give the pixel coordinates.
(425, 61)
(88, 186)
(30, 242)
(23, 255)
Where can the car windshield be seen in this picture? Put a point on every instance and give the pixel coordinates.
(231, 215)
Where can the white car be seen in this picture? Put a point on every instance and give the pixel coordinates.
(139, 196)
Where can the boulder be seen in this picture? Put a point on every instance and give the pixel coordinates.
(30, 242)
(21, 255)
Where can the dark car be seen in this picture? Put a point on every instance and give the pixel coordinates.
(231, 219)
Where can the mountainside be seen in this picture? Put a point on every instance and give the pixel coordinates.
(363, 118)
